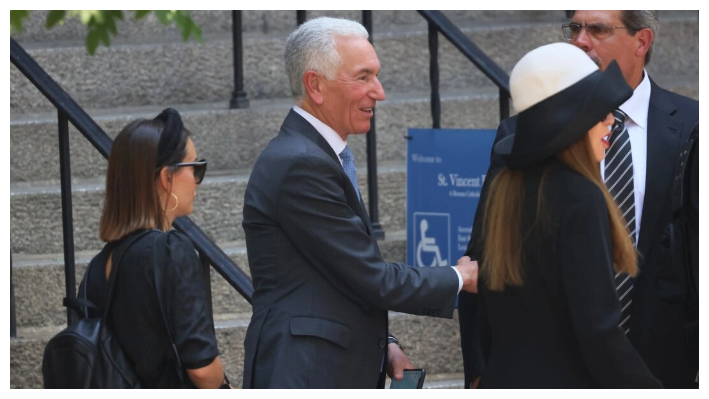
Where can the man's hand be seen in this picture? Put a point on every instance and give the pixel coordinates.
(397, 362)
(468, 269)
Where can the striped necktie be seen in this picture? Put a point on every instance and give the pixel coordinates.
(348, 165)
(619, 180)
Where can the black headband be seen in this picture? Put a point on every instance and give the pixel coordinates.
(170, 135)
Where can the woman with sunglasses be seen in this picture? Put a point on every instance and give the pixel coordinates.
(153, 174)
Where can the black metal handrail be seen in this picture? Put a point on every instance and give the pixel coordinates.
(70, 111)
(437, 22)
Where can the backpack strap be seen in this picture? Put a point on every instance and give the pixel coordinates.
(159, 264)
(79, 305)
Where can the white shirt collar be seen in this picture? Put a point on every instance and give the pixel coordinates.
(326, 131)
(637, 106)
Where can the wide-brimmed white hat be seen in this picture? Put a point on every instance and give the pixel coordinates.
(559, 94)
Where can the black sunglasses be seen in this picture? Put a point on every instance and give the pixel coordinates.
(199, 167)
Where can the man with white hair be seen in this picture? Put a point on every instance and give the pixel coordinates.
(321, 287)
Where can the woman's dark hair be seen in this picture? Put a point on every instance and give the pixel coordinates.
(138, 154)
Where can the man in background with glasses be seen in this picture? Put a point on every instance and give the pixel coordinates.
(658, 122)
(649, 130)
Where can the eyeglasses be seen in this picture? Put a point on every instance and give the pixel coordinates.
(199, 167)
(597, 31)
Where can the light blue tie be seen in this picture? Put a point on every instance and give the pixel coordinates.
(349, 165)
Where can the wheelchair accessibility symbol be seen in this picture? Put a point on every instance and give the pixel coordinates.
(432, 239)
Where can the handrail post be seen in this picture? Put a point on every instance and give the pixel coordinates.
(300, 16)
(238, 96)
(13, 319)
(504, 104)
(377, 230)
(434, 75)
(206, 272)
(67, 218)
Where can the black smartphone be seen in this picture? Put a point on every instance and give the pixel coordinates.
(413, 379)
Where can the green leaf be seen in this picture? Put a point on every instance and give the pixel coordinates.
(101, 24)
(197, 33)
(187, 26)
(54, 17)
(105, 39)
(117, 14)
(92, 42)
(87, 15)
(163, 16)
(111, 26)
(140, 14)
(16, 17)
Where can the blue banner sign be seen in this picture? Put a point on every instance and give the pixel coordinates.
(445, 171)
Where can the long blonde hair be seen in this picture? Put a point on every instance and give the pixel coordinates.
(502, 240)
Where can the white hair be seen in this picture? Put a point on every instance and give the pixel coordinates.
(312, 47)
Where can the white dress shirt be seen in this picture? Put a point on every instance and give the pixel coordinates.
(636, 122)
(337, 145)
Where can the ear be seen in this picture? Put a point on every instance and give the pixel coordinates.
(314, 86)
(644, 38)
(164, 180)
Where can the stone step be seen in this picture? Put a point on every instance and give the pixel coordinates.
(36, 206)
(192, 73)
(232, 139)
(256, 22)
(36, 225)
(430, 343)
(39, 281)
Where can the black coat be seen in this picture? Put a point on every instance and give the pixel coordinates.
(560, 328)
(661, 329)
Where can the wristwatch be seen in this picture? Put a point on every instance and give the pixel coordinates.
(392, 340)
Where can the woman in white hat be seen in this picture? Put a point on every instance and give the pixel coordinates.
(553, 237)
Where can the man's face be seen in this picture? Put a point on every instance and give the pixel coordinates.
(617, 44)
(350, 97)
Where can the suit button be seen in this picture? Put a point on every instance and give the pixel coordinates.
(382, 343)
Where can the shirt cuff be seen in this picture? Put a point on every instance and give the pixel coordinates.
(460, 279)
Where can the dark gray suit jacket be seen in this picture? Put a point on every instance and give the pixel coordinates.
(661, 329)
(321, 287)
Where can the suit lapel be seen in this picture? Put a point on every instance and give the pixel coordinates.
(663, 140)
(299, 125)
